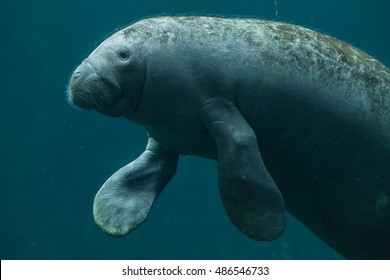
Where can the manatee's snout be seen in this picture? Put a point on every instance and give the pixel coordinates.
(80, 86)
(90, 90)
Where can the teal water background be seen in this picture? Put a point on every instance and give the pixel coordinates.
(53, 158)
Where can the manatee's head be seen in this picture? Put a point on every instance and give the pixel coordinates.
(111, 79)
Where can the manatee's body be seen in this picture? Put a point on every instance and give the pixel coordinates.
(317, 109)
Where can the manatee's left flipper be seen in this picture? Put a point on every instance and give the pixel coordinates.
(125, 199)
(249, 195)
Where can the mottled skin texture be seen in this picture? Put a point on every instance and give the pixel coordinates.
(279, 106)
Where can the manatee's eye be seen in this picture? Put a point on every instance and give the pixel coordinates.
(123, 54)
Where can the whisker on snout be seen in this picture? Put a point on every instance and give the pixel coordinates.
(68, 97)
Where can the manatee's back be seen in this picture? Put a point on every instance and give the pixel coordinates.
(249, 53)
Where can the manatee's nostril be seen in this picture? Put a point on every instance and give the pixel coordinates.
(76, 74)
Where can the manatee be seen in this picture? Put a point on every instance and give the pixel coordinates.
(296, 120)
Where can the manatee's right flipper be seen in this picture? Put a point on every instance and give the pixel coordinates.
(125, 199)
(251, 198)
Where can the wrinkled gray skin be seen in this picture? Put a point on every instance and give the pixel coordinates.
(280, 107)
